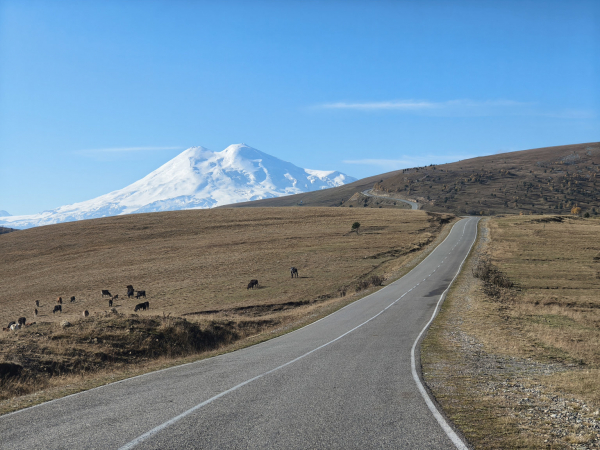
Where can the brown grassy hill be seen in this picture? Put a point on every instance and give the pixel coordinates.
(545, 180)
(548, 180)
(195, 267)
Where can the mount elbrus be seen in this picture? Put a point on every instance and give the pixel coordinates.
(196, 178)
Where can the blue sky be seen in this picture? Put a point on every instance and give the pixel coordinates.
(94, 95)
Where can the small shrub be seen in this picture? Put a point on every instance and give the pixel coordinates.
(494, 280)
(377, 280)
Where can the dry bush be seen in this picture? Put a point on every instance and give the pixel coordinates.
(494, 280)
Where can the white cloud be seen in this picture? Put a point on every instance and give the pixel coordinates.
(406, 105)
(462, 107)
(459, 107)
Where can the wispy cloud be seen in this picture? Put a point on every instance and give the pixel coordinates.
(461, 107)
(406, 161)
(424, 105)
(407, 105)
(115, 150)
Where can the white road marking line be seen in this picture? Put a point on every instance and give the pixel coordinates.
(456, 440)
(168, 423)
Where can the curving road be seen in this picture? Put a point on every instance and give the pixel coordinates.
(345, 381)
(413, 205)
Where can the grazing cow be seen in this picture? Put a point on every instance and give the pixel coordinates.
(294, 271)
(252, 284)
(57, 308)
(110, 303)
(130, 291)
(37, 303)
(115, 297)
(86, 313)
(36, 312)
(147, 305)
(140, 294)
(72, 299)
(141, 306)
(21, 320)
(15, 327)
(105, 292)
(59, 300)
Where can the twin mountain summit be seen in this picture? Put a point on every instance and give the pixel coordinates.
(197, 178)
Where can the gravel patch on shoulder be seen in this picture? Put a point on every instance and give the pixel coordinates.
(512, 386)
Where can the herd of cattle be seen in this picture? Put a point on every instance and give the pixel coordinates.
(131, 292)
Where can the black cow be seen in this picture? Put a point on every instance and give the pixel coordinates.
(11, 323)
(110, 303)
(252, 284)
(36, 312)
(294, 272)
(21, 320)
(57, 308)
(147, 305)
(139, 294)
(105, 292)
(37, 303)
(141, 306)
(130, 291)
(72, 299)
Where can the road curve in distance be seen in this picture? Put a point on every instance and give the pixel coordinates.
(344, 381)
(413, 205)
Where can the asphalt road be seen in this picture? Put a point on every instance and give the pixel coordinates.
(344, 381)
(413, 205)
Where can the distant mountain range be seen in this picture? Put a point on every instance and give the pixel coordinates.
(196, 178)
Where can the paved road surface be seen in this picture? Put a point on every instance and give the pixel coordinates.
(342, 382)
(413, 205)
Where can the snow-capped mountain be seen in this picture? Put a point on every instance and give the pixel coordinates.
(196, 178)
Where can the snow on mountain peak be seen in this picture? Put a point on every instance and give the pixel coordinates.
(196, 178)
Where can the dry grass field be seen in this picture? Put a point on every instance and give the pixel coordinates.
(195, 267)
(520, 367)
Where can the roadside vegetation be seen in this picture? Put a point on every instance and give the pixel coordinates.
(514, 356)
(195, 267)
